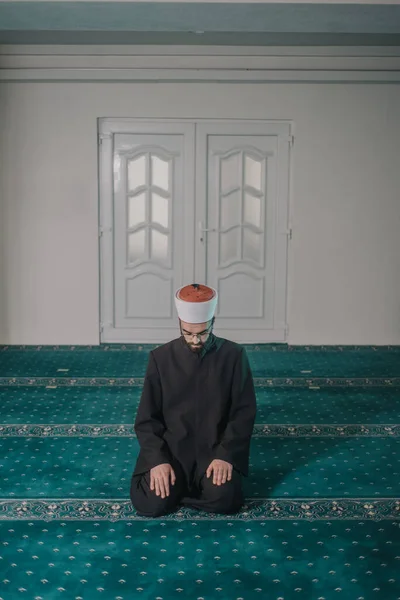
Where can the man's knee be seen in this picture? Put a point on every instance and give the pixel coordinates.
(158, 507)
(146, 502)
(225, 498)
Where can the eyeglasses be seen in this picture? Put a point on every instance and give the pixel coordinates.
(201, 335)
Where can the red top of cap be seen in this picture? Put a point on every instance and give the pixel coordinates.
(196, 293)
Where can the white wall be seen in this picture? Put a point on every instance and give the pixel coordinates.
(344, 283)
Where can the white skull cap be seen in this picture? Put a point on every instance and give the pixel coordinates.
(196, 303)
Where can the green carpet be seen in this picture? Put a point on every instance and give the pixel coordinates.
(61, 467)
(224, 559)
(132, 362)
(117, 404)
(322, 513)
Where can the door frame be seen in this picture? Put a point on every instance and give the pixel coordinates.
(105, 130)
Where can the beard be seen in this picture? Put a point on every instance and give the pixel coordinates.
(196, 347)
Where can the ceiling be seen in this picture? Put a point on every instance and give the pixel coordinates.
(178, 23)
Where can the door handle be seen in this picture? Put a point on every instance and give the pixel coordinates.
(202, 229)
(205, 230)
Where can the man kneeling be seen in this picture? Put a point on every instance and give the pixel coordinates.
(195, 418)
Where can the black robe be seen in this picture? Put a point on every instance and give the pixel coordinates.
(196, 407)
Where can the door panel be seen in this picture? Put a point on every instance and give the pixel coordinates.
(239, 225)
(152, 212)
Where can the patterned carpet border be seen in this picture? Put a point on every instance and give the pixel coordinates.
(285, 382)
(148, 347)
(260, 509)
(260, 430)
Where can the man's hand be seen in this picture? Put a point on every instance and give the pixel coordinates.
(159, 479)
(222, 471)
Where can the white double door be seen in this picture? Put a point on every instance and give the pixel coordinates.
(193, 202)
